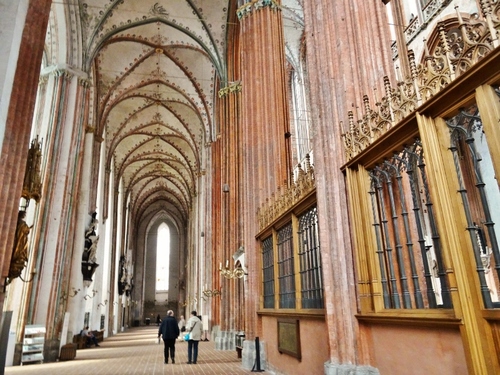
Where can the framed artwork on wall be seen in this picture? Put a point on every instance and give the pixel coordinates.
(289, 337)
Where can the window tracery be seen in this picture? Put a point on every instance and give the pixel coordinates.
(480, 196)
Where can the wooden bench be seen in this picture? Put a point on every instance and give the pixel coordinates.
(68, 352)
(81, 342)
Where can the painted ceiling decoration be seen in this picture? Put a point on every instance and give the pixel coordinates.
(156, 68)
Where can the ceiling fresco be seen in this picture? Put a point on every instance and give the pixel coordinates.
(155, 67)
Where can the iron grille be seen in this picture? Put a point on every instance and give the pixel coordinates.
(286, 271)
(408, 246)
(310, 261)
(268, 272)
(480, 197)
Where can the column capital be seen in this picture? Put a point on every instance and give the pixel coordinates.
(63, 73)
(232, 87)
(60, 69)
(89, 129)
(42, 81)
(84, 82)
(249, 8)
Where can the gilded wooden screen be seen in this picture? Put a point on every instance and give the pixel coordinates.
(408, 243)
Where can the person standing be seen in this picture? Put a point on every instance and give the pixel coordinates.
(182, 326)
(170, 331)
(195, 328)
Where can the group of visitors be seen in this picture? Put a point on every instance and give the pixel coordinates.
(170, 330)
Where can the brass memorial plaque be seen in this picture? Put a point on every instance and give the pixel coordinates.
(289, 337)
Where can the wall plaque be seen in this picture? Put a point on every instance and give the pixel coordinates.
(289, 337)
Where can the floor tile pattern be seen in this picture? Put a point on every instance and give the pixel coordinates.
(136, 351)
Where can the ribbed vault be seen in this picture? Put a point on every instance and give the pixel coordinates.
(155, 68)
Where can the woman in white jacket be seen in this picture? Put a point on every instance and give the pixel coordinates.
(195, 328)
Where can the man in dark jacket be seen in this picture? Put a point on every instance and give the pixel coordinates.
(170, 331)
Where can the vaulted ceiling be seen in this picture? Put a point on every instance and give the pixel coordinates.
(156, 66)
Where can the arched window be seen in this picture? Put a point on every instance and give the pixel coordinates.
(162, 257)
(301, 138)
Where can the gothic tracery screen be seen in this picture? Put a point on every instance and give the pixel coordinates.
(480, 196)
(408, 243)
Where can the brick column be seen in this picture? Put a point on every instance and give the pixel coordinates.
(264, 122)
(227, 156)
(347, 54)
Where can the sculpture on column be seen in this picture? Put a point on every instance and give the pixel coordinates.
(32, 184)
(89, 259)
(122, 275)
(125, 279)
(32, 189)
(19, 257)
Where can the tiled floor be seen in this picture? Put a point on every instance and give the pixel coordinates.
(137, 351)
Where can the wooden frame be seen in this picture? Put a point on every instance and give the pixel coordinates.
(289, 337)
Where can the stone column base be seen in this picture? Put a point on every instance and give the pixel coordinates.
(51, 350)
(331, 369)
(249, 355)
(225, 341)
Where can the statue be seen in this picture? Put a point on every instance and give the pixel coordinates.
(92, 226)
(93, 250)
(20, 251)
(122, 276)
(32, 185)
(89, 258)
(90, 250)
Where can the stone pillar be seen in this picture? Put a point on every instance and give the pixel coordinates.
(348, 51)
(75, 290)
(207, 262)
(57, 222)
(227, 195)
(264, 121)
(216, 237)
(22, 49)
(109, 206)
(249, 354)
(227, 223)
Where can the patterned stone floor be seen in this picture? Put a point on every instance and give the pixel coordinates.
(137, 351)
